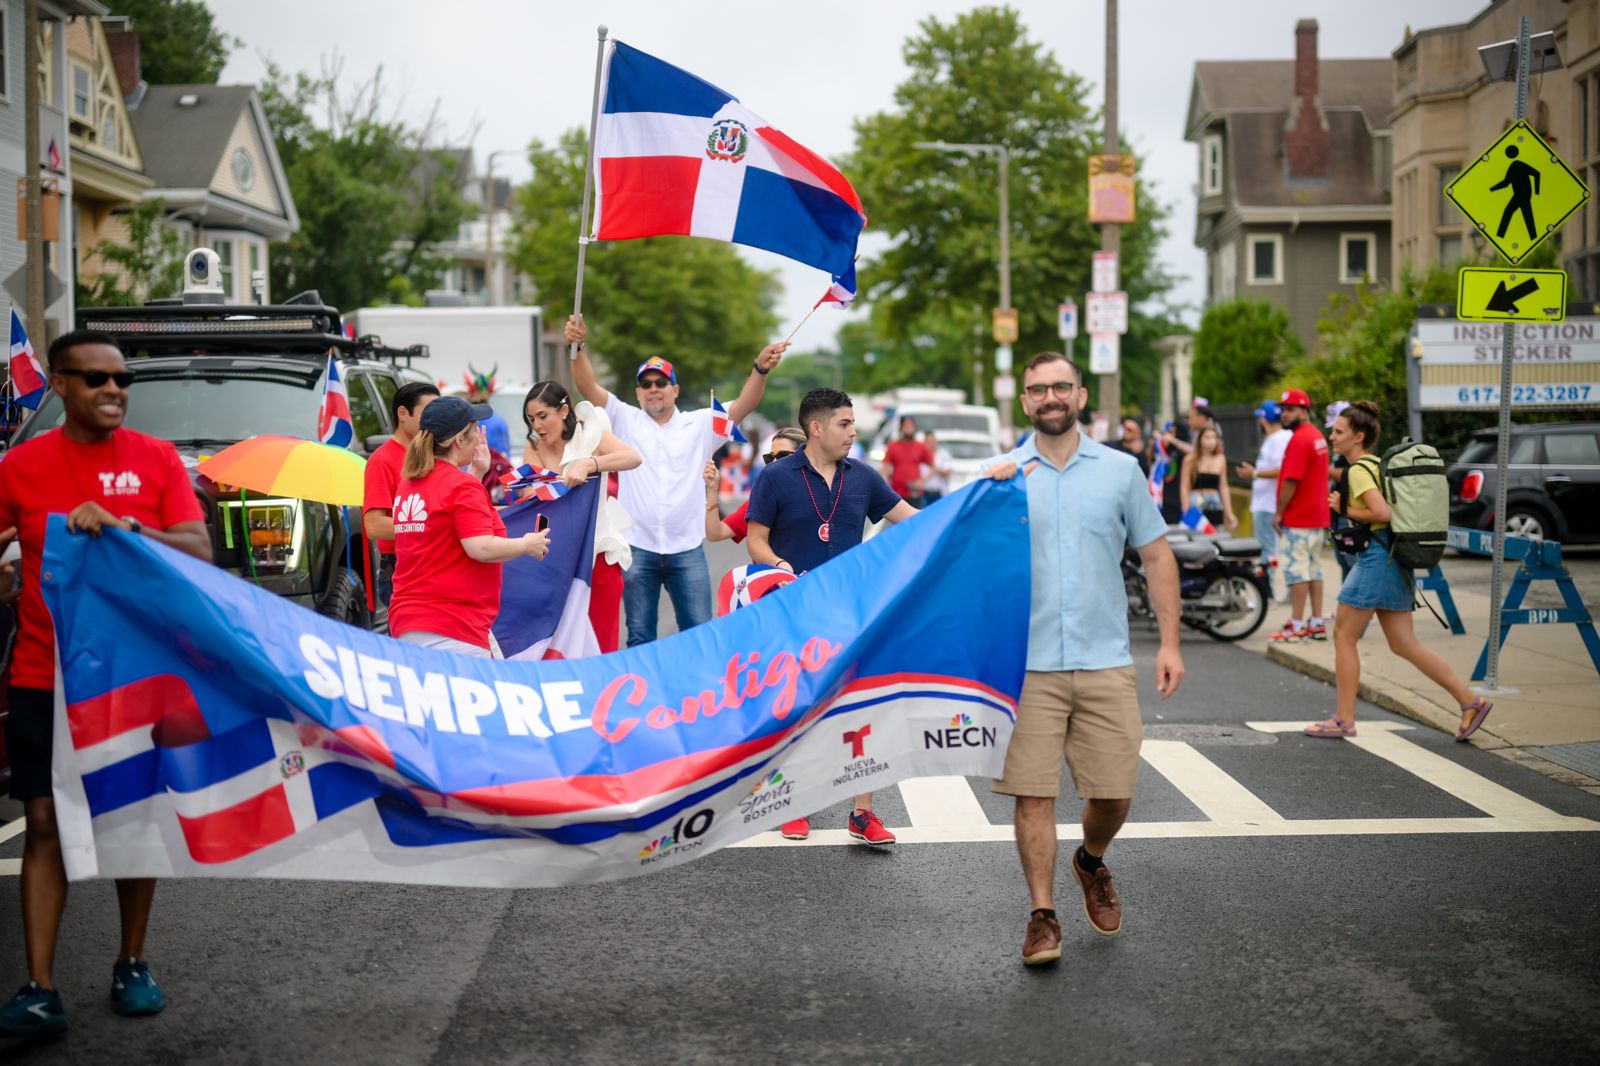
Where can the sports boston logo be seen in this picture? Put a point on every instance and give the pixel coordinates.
(960, 733)
(861, 764)
(729, 140)
(769, 795)
(410, 514)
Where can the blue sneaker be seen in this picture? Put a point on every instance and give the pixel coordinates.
(33, 1011)
(133, 990)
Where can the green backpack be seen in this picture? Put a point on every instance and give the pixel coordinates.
(1419, 497)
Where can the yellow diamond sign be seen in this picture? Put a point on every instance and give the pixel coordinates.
(1494, 294)
(1518, 192)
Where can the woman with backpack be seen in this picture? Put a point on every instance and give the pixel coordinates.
(1377, 583)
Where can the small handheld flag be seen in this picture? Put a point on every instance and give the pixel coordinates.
(27, 379)
(722, 425)
(1158, 469)
(842, 293)
(1196, 520)
(528, 482)
(333, 416)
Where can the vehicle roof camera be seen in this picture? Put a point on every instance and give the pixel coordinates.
(202, 278)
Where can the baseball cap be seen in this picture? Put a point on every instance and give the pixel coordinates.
(1200, 403)
(449, 415)
(1295, 398)
(1332, 412)
(659, 365)
(1270, 411)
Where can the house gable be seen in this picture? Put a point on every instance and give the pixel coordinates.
(109, 132)
(245, 172)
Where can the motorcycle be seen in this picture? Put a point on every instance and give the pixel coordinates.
(1224, 588)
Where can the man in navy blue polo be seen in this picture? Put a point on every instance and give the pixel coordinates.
(811, 506)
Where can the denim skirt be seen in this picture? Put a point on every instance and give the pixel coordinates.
(1378, 583)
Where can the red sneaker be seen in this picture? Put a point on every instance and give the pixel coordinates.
(1289, 634)
(799, 829)
(865, 827)
(1316, 630)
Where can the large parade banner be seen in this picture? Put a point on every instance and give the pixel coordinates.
(206, 728)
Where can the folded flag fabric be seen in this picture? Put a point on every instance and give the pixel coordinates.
(27, 379)
(334, 425)
(674, 154)
(1196, 520)
(544, 603)
(206, 728)
(722, 425)
(528, 482)
(842, 293)
(744, 585)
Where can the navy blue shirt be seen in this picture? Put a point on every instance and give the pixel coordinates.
(780, 502)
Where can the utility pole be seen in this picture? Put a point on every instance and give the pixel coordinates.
(33, 193)
(1110, 392)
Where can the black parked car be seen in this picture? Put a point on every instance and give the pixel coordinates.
(1553, 482)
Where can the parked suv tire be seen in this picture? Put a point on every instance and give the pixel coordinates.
(1523, 521)
(347, 601)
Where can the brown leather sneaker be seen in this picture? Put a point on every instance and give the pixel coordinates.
(1100, 903)
(1044, 941)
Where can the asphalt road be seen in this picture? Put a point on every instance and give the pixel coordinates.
(1360, 944)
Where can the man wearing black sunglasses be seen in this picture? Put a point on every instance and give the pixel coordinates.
(101, 476)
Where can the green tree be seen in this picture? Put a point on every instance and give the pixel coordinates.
(179, 43)
(979, 78)
(374, 199)
(148, 265)
(1240, 347)
(693, 301)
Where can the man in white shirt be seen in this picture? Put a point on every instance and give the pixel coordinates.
(1264, 485)
(664, 496)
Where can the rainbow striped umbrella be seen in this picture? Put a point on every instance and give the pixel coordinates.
(288, 466)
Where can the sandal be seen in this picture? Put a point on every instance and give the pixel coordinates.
(1480, 709)
(1331, 728)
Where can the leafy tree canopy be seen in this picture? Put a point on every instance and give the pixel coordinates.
(1241, 346)
(179, 43)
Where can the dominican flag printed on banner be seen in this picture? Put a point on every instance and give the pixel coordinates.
(1196, 520)
(676, 155)
(544, 603)
(27, 379)
(722, 425)
(333, 417)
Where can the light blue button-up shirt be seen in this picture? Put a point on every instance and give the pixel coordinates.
(1079, 518)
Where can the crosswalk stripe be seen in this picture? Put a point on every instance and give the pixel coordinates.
(1219, 797)
(942, 802)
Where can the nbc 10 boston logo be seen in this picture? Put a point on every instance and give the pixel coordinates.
(687, 834)
(960, 733)
(769, 795)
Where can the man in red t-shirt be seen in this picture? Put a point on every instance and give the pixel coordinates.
(903, 461)
(383, 474)
(1302, 516)
(101, 476)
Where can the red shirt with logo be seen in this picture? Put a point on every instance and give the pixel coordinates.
(438, 587)
(1306, 460)
(131, 475)
(906, 459)
(382, 478)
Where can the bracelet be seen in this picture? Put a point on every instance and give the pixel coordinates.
(580, 346)
(597, 470)
(757, 368)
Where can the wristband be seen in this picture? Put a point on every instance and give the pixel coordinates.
(757, 368)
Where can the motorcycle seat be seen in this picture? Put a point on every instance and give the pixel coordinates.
(1193, 552)
(1245, 547)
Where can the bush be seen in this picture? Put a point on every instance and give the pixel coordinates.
(1240, 346)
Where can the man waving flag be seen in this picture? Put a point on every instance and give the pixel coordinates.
(676, 155)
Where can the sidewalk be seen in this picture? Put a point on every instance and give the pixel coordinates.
(1551, 723)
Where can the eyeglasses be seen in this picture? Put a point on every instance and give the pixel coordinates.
(1063, 389)
(654, 383)
(97, 378)
(772, 457)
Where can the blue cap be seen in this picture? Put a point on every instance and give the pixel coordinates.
(1270, 411)
(453, 415)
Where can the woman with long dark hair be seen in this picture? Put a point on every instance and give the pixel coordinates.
(1205, 480)
(1377, 584)
(576, 440)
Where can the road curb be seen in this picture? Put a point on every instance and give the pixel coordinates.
(1408, 704)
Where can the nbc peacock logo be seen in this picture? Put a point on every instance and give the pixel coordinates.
(772, 779)
(410, 513)
(769, 795)
(959, 720)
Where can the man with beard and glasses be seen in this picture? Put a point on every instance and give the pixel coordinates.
(812, 506)
(101, 476)
(1079, 699)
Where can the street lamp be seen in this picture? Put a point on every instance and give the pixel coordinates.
(493, 275)
(1002, 361)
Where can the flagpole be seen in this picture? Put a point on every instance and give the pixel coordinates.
(803, 321)
(588, 182)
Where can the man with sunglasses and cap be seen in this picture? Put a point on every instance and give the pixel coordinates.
(1301, 518)
(102, 476)
(663, 495)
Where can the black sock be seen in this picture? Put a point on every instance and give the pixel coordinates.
(1088, 863)
(1045, 912)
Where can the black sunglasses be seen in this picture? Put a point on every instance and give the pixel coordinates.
(654, 383)
(97, 378)
(772, 457)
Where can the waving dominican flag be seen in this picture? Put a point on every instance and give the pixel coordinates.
(544, 603)
(27, 380)
(1158, 469)
(528, 482)
(722, 425)
(1196, 520)
(676, 155)
(333, 418)
(842, 293)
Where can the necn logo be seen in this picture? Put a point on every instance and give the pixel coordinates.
(687, 834)
(960, 733)
(769, 795)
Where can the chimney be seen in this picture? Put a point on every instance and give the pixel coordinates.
(124, 45)
(1306, 133)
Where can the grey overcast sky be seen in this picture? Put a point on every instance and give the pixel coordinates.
(506, 71)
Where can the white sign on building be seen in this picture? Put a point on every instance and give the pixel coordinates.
(1555, 364)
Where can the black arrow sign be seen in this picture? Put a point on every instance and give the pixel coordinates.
(1504, 301)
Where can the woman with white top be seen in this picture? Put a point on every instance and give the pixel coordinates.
(577, 441)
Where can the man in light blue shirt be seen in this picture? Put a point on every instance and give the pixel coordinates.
(1085, 502)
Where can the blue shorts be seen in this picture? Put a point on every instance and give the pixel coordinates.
(1377, 582)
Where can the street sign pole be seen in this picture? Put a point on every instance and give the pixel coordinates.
(1503, 450)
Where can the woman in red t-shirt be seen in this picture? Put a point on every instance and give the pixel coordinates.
(448, 540)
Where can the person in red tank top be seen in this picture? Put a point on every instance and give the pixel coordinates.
(903, 461)
(449, 541)
(101, 476)
(383, 476)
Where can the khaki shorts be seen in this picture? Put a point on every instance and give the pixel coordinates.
(1091, 717)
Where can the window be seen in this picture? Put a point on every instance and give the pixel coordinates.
(1266, 259)
(364, 415)
(1524, 451)
(1450, 250)
(1583, 119)
(387, 386)
(224, 250)
(1571, 449)
(80, 93)
(1449, 213)
(244, 170)
(1357, 257)
(1211, 164)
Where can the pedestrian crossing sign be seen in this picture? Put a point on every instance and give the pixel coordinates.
(1518, 192)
